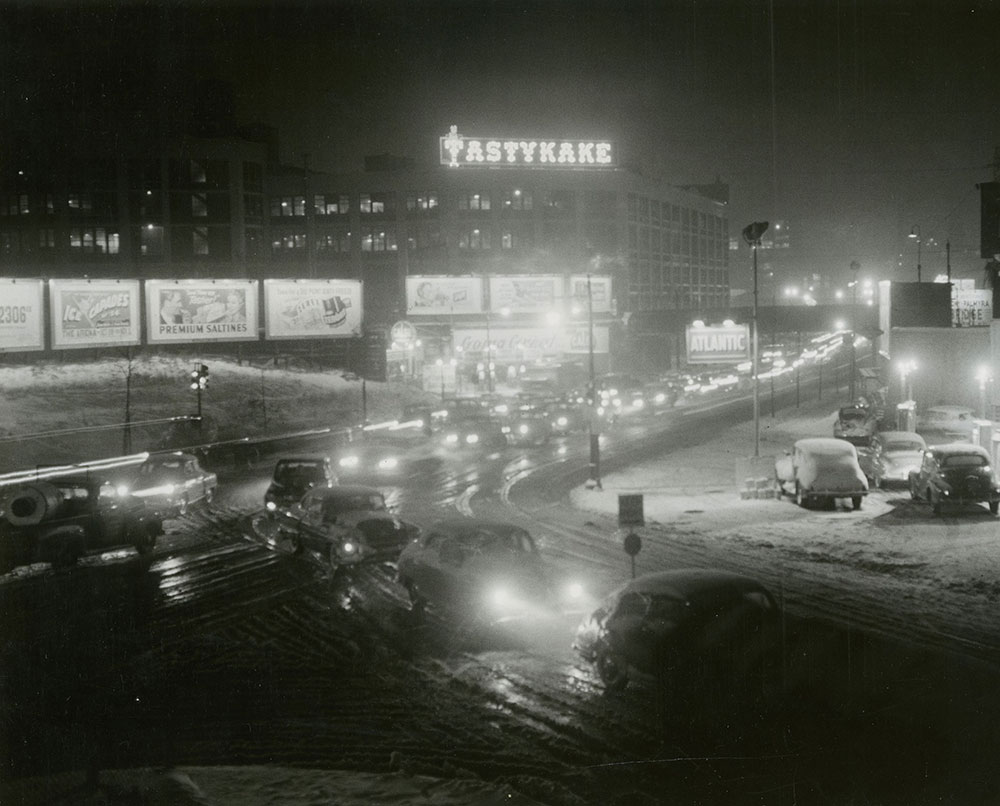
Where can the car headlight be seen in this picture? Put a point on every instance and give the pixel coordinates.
(270, 506)
(472, 439)
(523, 429)
(500, 597)
(573, 591)
(562, 421)
(348, 462)
(122, 490)
(347, 547)
(451, 439)
(388, 463)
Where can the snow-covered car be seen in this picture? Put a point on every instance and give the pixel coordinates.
(947, 424)
(169, 483)
(820, 470)
(956, 473)
(481, 571)
(857, 424)
(681, 626)
(891, 457)
(347, 525)
(293, 477)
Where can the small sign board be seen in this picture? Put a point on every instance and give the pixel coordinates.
(630, 510)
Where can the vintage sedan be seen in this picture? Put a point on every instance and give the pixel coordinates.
(347, 525)
(528, 425)
(293, 477)
(855, 423)
(821, 470)
(683, 626)
(891, 457)
(947, 423)
(956, 473)
(170, 483)
(483, 571)
(473, 431)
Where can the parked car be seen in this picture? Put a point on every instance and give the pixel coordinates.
(293, 477)
(59, 520)
(891, 456)
(956, 473)
(473, 429)
(481, 570)
(681, 625)
(347, 525)
(947, 424)
(820, 470)
(172, 482)
(855, 423)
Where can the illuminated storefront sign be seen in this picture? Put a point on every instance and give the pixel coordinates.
(94, 313)
(527, 343)
(723, 344)
(458, 150)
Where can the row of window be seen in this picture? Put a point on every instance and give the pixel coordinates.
(645, 210)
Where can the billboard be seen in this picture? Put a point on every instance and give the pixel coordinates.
(718, 344)
(526, 293)
(94, 313)
(530, 152)
(296, 309)
(21, 315)
(600, 292)
(971, 307)
(527, 343)
(201, 310)
(427, 294)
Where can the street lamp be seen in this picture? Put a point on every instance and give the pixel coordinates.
(595, 434)
(984, 377)
(752, 234)
(915, 234)
(855, 266)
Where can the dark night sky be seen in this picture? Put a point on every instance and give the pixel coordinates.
(869, 118)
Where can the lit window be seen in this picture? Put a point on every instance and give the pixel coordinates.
(474, 201)
(378, 239)
(199, 172)
(151, 240)
(422, 201)
(199, 205)
(23, 206)
(474, 239)
(517, 200)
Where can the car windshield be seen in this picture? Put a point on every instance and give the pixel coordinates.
(334, 505)
(964, 460)
(893, 447)
(290, 473)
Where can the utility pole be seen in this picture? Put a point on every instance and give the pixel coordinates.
(595, 435)
(855, 266)
(752, 234)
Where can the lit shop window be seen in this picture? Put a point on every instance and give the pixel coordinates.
(517, 200)
(199, 241)
(474, 201)
(422, 202)
(474, 239)
(283, 206)
(326, 204)
(289, 241)
(378, 239)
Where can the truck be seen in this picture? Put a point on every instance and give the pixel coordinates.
(58, 520)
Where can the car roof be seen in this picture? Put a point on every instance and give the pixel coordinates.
(692, 584)
(173, 456)
(958, 448)
(949, 409)
(302, 459)
(892, 436)
(339, 490)
(826, 446)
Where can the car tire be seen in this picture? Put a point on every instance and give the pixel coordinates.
(935, 503)
(994, 507)
(856, 501)
(800, 497)
(611, 669)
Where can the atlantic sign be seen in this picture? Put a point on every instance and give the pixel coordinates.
(500, 152)
(718, 344)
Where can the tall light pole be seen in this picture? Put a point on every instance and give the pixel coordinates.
(855, 266)
(595, 434)
(915, 234)
(752, 234)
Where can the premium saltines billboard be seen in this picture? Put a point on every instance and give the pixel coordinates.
(201, 310)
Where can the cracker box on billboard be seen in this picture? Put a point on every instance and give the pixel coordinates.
(335, 311)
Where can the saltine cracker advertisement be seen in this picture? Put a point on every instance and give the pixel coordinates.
(21, 315)
(201, 310)
(94, 313)
(295, 309)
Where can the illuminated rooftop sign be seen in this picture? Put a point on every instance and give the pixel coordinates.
(496, 152)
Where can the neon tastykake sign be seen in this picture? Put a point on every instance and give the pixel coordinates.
(458, 150)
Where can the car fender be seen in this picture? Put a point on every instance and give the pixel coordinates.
(61, 541)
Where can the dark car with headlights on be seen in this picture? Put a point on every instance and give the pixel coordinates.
(346, 525)
(528, 425)
(956, 473)
(171, 482)
(475, 429)
(58, 520)
(293, 477)
(681, 626)
(482, 571)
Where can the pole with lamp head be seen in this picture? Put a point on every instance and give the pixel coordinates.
(752, 234)
(855, 266)
(915, 234)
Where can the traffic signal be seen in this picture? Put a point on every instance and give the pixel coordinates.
(199, 378)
